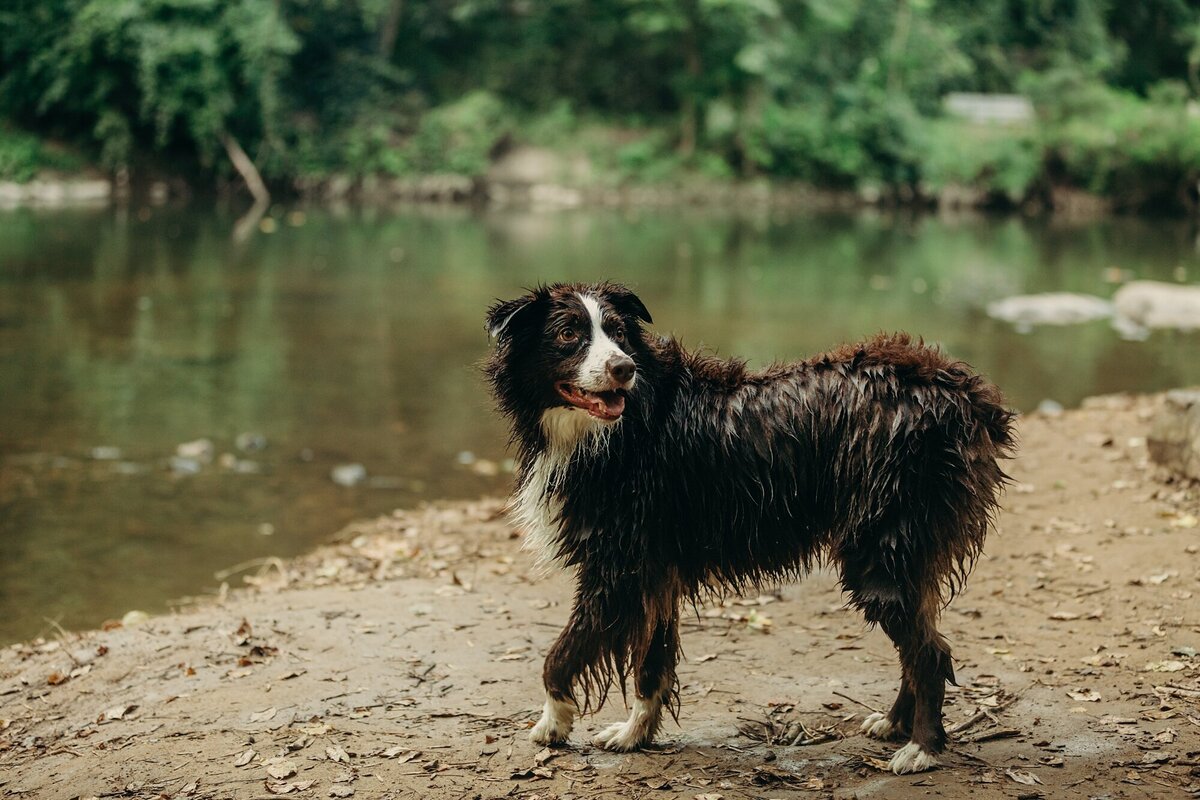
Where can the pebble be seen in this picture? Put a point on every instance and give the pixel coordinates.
(250, 442)
(348, 474)
(200, 450)
(185, 466)
(1050, 408)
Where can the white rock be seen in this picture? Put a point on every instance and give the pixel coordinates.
(1053, 308)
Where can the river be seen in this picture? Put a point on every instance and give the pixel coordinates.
(332, 338)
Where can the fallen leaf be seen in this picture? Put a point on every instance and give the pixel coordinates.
(336, 753)
(1064, 616)
(1023, 776)
(544, 755)
(1085, 695)
(264, 715)
(706, 657)
(245, 758)
(1166, 737)
(1102, 660)
(341, 791)
(280, 768)
(398, 751)
(657, 783)
(758, 622)
(288, 788)
(1163, 666)
(709, 797)
(117, 712)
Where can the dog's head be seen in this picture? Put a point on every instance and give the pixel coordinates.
(566, 346)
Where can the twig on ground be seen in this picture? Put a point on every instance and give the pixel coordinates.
(859, 702)
(987, 736)
(980, 715)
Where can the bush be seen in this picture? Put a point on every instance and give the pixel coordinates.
(997, 159)
(459, 137)
(1136, 150)
(22, 156)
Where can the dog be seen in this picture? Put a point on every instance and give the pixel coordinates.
(662, 476)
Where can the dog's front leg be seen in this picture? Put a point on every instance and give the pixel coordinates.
(576, 647)
(655, 687)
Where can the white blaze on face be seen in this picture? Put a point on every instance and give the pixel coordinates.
(593, 372)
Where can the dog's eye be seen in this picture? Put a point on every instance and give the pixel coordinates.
(568, 335)
(617, 335)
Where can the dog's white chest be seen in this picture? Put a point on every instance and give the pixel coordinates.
(537, 511)
(537, 506)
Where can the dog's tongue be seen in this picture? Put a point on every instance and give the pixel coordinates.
(606, 405)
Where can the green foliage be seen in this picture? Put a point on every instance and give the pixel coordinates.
(459, 136)
(23, 156)
(1138, 150)
(20, 156)
(842, 93)
(169, 75)
(999, 159)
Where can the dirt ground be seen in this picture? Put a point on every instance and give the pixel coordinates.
(403, 661)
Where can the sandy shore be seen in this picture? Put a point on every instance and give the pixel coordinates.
(404, 660)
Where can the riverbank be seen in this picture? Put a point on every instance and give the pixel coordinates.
(403, 660)
(506, 187)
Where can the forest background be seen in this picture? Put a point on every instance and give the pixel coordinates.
(836, 94)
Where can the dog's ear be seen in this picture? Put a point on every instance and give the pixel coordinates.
(627, 302)
(504, 316)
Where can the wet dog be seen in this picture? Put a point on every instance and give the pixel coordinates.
(662, 476)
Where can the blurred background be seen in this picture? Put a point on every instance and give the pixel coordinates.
(246, 246)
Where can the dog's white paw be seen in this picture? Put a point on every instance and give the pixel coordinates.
(912, 758)
(878, 726)
(621, 737)
(555, 725)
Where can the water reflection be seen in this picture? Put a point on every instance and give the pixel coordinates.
(353, 338)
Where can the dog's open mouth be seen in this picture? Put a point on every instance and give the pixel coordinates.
(601, 405)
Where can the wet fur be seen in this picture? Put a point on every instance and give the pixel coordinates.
(879, 458)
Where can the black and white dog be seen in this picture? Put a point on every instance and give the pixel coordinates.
(662, 476)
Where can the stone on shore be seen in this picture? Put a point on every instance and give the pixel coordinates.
(1174, 439)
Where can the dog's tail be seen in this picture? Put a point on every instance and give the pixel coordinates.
(987, 437)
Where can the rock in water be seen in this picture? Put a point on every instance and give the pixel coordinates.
(1174, 440)
(349, 474)
(1053, 308)
(1154, 304)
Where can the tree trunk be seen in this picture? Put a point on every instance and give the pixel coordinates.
(390, 29)
(688, 112)
(246, 168)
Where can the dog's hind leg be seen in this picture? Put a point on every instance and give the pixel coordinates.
(906, 610)
(654, 688)
(927, 666)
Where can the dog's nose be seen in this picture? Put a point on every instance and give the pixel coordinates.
(622, 369)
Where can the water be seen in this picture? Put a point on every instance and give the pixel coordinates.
(353, 338)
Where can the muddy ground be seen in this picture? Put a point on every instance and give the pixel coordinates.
(403, 661)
